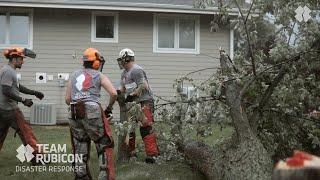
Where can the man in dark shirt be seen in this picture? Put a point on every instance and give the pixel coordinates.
(10, 88)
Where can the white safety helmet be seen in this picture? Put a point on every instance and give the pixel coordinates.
(126, 55)
(126, 52)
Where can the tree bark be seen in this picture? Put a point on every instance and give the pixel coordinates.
(123, 147)
(241, 157)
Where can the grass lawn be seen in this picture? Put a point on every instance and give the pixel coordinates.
(60, 135)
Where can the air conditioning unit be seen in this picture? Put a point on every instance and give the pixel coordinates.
(190, 92)
(43, 114)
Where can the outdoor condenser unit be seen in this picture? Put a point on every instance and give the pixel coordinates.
(190, 92)
(43, 114)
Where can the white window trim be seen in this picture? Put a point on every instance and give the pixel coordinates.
(231, 43)
(156, 49)
(115, 28)
(30, 36)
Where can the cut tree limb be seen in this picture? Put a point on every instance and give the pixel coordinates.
(123, 147)
(241, 157)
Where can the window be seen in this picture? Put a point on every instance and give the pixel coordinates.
(16, 29)
(104, 27)
(176, 34)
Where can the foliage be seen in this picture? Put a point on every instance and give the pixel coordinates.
(272, 44)
(61, 135)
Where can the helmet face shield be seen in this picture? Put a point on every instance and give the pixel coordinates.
(121, 63)
(29, 53)
(126, 55)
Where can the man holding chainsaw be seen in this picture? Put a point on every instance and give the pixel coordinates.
(87, 120)
(10, 89)
(135, 85)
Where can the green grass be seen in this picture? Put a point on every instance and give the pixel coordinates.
(131, 171)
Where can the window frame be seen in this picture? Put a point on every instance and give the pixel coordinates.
(7, 44)
(176, 48)
(115, 28)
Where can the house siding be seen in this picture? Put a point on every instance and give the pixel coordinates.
(60, 33)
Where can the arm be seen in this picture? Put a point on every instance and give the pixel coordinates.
(141, 87)
(107, 85)
(25, 90)
(140, 80)
(7, 91)
(6, 82)
(122, 89)
(68, 93)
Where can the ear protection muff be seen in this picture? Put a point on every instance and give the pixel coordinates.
(92, 55)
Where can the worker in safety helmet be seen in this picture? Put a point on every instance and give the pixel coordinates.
(10, 89)
(301, 166)
(135, 85)
(87, 120)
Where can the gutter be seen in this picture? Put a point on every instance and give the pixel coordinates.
(145, 7)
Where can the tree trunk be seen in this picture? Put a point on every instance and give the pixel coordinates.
(202, 157)
(241, 157)
(123, 147)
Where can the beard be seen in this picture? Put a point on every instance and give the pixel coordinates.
(18, 66)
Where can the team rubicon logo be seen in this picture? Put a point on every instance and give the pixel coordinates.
(25, 153)
(44, 154)
(303, 14)
(84, 82)
(48, 153)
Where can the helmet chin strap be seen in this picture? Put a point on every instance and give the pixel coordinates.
(102, 61)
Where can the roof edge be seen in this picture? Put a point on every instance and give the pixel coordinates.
(130, 7)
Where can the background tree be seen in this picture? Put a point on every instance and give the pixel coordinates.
(265, 93)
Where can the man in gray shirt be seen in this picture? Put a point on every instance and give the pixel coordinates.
(10, 88)
(135, 85)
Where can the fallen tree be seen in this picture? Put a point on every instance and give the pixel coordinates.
(243, 156)
(266, 92)
(270, 86)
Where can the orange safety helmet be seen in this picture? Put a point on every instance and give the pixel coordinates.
(18, 52)
(91, 54)
(14, 51)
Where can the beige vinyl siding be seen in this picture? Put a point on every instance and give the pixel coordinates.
(61, 33)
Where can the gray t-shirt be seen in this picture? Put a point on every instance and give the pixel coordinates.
(86, 85)
(132, 78)
(8, 77)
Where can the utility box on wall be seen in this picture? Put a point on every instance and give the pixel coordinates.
(43, 114)
(41, 78)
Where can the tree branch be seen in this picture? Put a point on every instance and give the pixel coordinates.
(294, 116)
(200, 99)
(251, 6)
(268, 93)
(199, 70)
(247, 85)
(247, 36)
(266, 96)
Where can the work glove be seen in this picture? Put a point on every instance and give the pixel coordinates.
(38, 94)
(130, 98)
(108, 112)
(27, 102)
